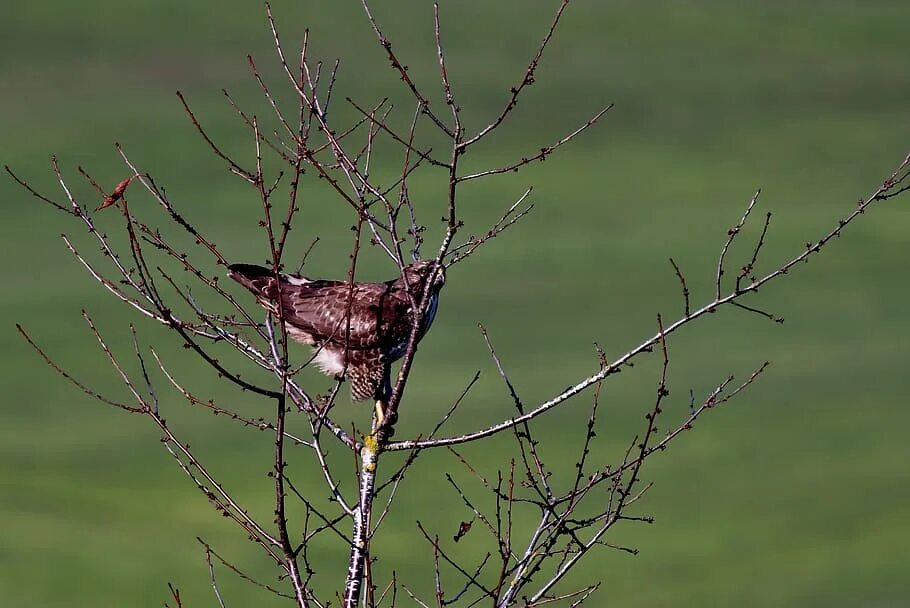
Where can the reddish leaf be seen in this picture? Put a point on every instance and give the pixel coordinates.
(116, 195)
(463, 529)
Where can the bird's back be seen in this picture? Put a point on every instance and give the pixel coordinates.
(361, 315)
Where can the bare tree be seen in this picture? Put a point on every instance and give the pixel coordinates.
(572, 514)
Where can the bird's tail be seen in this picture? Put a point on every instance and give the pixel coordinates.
(258, 279)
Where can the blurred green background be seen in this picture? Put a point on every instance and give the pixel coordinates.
(795, 494)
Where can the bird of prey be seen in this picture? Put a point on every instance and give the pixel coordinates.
(357, 329)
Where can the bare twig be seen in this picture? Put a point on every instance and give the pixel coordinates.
(685, 289)
(542, 154)
(731, 235)
(526, 80)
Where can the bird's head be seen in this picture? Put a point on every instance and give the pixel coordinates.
(419, 274)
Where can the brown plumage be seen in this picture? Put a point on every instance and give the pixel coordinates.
(361, 346)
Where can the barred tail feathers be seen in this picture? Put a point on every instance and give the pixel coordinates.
(257, 279)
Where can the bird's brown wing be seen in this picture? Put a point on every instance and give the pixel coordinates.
(366, 317)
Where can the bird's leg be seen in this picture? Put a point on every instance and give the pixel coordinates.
(380, 412)
(382, 399)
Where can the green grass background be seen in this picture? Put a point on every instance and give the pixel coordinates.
(796, 494)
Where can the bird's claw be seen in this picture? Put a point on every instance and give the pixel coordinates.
(385, 419)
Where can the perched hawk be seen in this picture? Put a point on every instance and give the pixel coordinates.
(361, 346)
